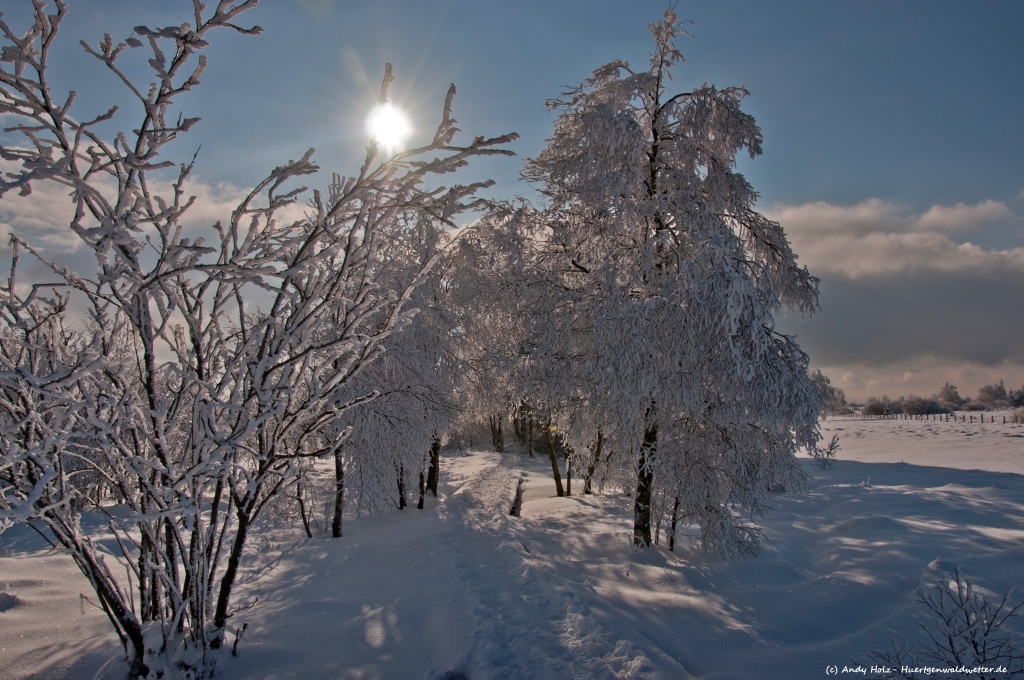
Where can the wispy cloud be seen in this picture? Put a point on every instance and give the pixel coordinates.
(876, 237)
(961, 217)
(41, 218)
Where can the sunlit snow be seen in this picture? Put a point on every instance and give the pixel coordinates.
(560, 593)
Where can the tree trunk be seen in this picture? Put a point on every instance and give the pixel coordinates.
(401, 487)
(339, 494)
(644, 481)
(220, 615)
(525, 421)
(568, 468)
(146, 558)
(170, 552)
(529, 438)
(554, 461)
(497, 440)
(302, 509)
(124, 621)
(672, 528)
(423, 487)
(434, 470)
(214, 562)
(587, 480)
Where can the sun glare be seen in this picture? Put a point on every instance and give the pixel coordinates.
(388, 126)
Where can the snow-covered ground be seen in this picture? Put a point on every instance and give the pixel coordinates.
(464, 588)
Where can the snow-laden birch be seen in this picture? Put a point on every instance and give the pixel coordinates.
(668, 282)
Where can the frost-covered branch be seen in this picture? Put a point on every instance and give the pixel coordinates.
(210, 363)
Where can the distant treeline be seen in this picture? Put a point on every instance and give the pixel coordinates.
(946, 400)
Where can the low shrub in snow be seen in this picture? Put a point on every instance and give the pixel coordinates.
(966, 637)
(825, 456)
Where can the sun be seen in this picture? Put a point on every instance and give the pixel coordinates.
(388, 126)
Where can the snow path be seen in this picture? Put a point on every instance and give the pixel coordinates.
(530, 623)
(436, 594)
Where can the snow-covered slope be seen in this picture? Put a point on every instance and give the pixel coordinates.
(464, 589)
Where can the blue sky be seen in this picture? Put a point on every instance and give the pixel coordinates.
(892, 135)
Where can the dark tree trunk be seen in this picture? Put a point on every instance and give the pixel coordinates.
(588, 479)
(672, 528)
(423, 486)
(497, 439)
(214, 514)
(190, 588)
(169, 551)
(568, 468)
(146, 557)
(339, 494)
(401, 487)
(124, 622)
(214, 562)
(525, 422)
(220, 615)
(529, 438)
(644, 482)
(434, 469)
(302, 509)
(554, 461)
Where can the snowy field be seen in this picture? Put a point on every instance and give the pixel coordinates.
(463, 589)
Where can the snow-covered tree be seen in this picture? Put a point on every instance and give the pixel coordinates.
(665, 283)
(835, 397)
(993, 395)
(949, 397)
(395, 438)
(514, 329)
(483, 295)
(209, 364)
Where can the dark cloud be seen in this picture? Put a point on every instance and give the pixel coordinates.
(970, 316)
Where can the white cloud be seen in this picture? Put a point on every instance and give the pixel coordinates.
(875, 237)
(42, 218)
(961, 217)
